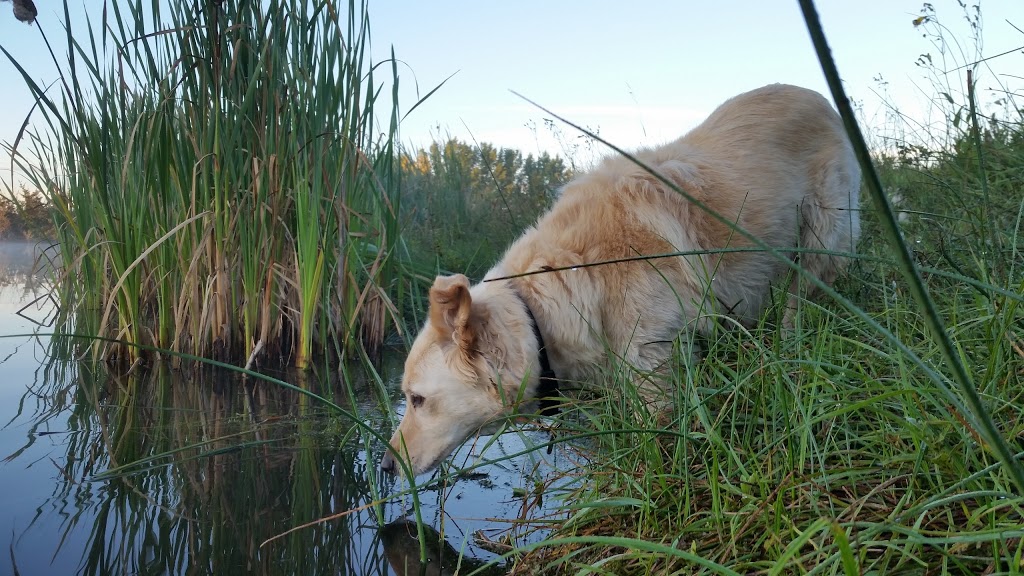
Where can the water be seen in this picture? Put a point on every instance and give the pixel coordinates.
(194, 472)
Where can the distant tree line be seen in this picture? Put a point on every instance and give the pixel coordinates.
(28, 218)
(464, 204)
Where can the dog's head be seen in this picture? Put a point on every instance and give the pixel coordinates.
(464, 370)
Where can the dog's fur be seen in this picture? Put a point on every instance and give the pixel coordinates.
(775, 161)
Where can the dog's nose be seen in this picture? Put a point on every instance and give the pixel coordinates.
(387, 463)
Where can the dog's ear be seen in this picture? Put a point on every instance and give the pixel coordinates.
(450, 306)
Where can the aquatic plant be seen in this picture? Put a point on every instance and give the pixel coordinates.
(222, 182)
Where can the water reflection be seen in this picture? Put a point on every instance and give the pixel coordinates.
(432, 555)
(163, 472)
(197, 472)
(25, 282)
(16, 260)
(212, 472)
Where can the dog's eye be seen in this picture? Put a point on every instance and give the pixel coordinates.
(416, 400)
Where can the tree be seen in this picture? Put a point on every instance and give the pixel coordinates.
(465, 204)
(29, 217)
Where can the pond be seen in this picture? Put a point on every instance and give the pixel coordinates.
(196, 471)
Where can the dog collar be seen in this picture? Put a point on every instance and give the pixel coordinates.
(548, 388)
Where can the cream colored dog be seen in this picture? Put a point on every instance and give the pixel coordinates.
(775, 161)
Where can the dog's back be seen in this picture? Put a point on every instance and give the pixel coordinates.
(775, 161)
(788, 141)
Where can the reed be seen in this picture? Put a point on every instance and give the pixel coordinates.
(223, 184)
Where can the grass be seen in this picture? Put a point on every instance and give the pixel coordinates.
(835, 449)
(222, 183)
(881, 438)
(828, 434)
(886, 437)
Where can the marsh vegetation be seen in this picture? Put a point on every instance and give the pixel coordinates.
(884, 434)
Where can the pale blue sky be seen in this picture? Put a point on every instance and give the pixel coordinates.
(640, 72)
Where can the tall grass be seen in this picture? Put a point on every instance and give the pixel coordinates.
(464, 205)
(223, 183)
(883, 439)
(884, 435)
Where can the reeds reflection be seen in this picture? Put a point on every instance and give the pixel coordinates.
(193, 471)
(164, 473)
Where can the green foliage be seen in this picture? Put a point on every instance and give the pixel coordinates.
(852, 444)
(222, 184)
(26, 216)
(464, 205)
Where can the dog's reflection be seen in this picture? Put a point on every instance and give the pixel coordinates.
(402, 549)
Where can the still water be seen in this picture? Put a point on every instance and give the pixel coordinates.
(194, 471)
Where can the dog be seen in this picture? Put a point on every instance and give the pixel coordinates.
(774, 162)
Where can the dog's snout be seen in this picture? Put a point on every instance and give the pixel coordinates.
(388, 464)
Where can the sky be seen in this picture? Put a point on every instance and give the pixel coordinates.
(639, 73)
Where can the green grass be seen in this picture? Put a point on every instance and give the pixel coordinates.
(884, 437)
(824, 432)
(223, 178)
(851, 445)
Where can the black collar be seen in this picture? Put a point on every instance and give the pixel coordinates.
(547, 391)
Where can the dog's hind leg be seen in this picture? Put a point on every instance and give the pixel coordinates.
(652, 367)
(830, 224)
